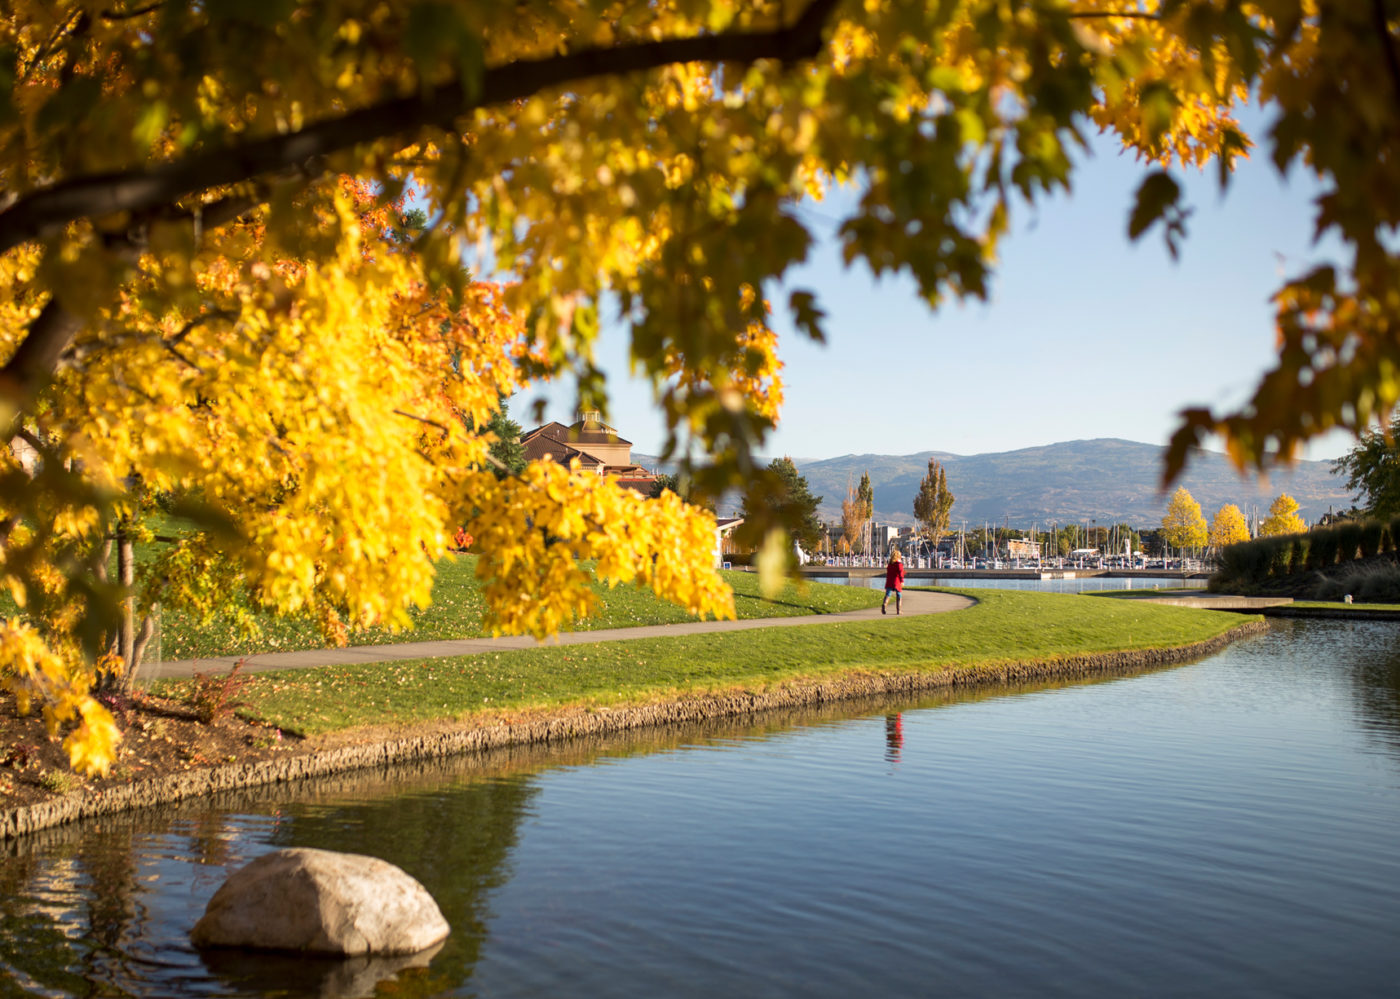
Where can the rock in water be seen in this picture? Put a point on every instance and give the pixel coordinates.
(322, 902)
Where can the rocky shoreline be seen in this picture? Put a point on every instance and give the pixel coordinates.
(352, 752)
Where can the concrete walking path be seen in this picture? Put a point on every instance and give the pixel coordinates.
(915, 602)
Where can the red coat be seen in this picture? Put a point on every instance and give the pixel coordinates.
(894, 576)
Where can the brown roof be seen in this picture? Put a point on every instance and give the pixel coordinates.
(588, 431)
(554, 431)
(540, 446)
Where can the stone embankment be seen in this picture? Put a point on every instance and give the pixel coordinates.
(319, 759)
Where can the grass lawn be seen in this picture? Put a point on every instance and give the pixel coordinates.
(1338, 605)
(1175, 591)
(1004, 626)
(457, 608)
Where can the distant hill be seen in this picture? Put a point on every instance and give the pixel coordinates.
(1107, 480)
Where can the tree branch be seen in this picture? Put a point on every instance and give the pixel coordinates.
(126, 15)
(45, 211)
(1392, 62)
(28, 370)
(1084, 15)
(51, 333)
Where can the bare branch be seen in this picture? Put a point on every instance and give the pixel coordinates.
(423, 419)
(175, 339)
(45, 211)
(126, 15)
(1084, 15)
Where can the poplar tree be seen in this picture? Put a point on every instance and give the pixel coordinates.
(852, 517)
(866, 497)
(933, 503)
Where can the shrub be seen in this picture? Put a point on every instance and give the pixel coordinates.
(59, 781)
(213, 694)
(1280, 552)
(1348, 541)
(1242, 564)
(21, 755)
(1327, 588)
(1371, 533)
(1378, 585)
(1323, 549)
(1372, 584)
(1302, 548)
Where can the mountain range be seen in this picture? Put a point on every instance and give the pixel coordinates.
(1105, 480)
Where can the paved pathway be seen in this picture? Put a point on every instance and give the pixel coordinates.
(1248, 605)
(915, 602)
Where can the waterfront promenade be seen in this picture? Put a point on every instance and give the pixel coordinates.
(915, 603)
(864, 572)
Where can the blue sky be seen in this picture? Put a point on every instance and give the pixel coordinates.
(1085, 334)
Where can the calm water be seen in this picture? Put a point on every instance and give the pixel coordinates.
(1041, 585)
(1227, 827)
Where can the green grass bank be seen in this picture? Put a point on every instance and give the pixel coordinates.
(1005, 628)
(400, 713)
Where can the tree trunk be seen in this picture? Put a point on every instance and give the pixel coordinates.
(126, 575)
(128, 644)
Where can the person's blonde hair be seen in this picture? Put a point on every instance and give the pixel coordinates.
(895, 556)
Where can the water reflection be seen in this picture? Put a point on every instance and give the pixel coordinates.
(894, 736)
(1374, 650)
(106, 907)
(1222, 828)
(264, 974)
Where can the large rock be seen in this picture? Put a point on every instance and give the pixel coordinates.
(321, 902)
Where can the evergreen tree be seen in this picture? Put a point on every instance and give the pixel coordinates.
(666, 483)
(787, 495)
(507, 448)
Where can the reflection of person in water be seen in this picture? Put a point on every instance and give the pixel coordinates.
(894, 736)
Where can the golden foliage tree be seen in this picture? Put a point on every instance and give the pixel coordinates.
(199, 309)
(1183, 525)
(852, 517)
(1283, 518)
(1228, 527)
(933, 503)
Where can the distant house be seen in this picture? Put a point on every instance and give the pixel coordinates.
(595, 445)
(724, 541)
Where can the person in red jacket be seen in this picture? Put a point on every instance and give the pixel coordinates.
(894, 581)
